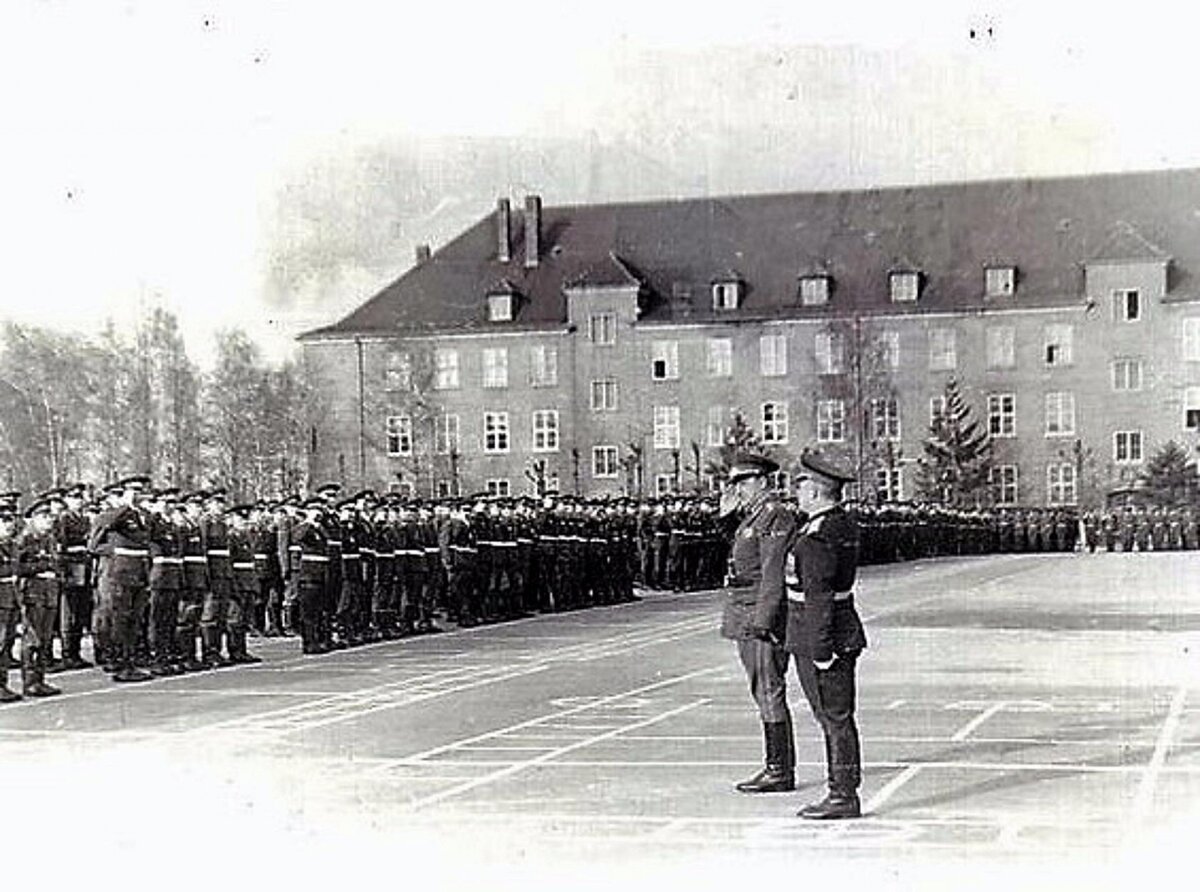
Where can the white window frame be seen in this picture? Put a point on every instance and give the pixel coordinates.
(772, 355)
(720, 358)
(1191, 408)
(500, 307)
(904, 286)
(446, 369)
(884, 413)
(545, 430)
(889, 484)
(603, 393)
(664, 360)
(943, 350)
(398, 433)
(1129, 447)
(829, 353)
(831, 421)
(444, 488)
(1002, 415)
(1058, 345)
(774, 415)
(1060, 413)
(937, 408)
(999, 281)
(1191, 339)
(495, 368)
(446, 434)
(602, 329)
(726, 295)
(1126, 374)
(543, 366)
(666, 427)
(814, 291)
(1125, 299)
(890, 353)
(717, 427)
(397, 371)
(1061, 485)
(1001, 346)
(664, 484)
(606, 462)
(498, 486)
(1005, 481)
(497, 433)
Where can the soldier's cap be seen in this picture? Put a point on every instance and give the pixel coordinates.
(365, 494)
(198, 496)
(240, 510)
(745, 466)
(10, 496)
(217, 494)
(167, 493)
(814, 463)
(78, 489)
(330, 488)
(41, 506)
(137, 482)
(313, 502)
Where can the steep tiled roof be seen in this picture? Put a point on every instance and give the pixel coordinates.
(1047, 228)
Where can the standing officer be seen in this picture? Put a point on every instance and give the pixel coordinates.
(9, 610)
(37, 571)
(824, 632)
(755, 615)
(71, 527)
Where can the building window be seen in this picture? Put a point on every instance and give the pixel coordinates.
(1059, 338)
(1127, 374)
(445, 434)
(551, 483)
(602, 329)
(1127, 447)
(543, 366)
(1004, 484)
(664, 360)
(1001, 347)
(772, 355)
(1191, 409)
(904, 287)
(495, 432)
(445, 488)
(498, 486)
(397, 371)
(775, 422)
(446, 365)
(830, 353)
(664, 484)
(666, 427)
(999, 281)
(814, 291)
(545, 430)
(720, 357)
(1060, 414)
(885, 418)
(943, 356)
(715, 431)
(725, 295)
(1127, 305)
(1060, 484)
(604, 461)
(937, 410)
(604, 396)
(1002, 414)
(888, 484)
(399, 435)
(889, 349)
(831, 421)
(495, 367)
(1191, 339)
(500, 307)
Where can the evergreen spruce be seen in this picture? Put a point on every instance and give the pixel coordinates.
(956, 467)
(1169, 478)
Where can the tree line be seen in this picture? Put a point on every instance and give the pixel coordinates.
(98, 407)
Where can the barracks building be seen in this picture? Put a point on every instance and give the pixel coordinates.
(607, 348)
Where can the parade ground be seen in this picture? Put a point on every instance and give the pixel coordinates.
(1034, 714)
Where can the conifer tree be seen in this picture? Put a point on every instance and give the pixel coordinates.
(956, 466)
(1169, 478)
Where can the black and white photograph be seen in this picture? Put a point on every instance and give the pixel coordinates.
(633, 445)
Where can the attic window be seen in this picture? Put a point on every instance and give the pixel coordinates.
(726, 295)
(500, 308)
(681, 292)
(814, 290)
(905, 286)
(1000, 281)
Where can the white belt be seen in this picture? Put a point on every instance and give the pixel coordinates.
(525, 541)
(295, 548)
(218, 552)
(318, 558)
(76, 549)
(334, 543)
(798, 597)
(351, 556)
(168, 560)
(370, 551)
(195, 559)
(260, 556)
(505, 544)
(8, 579)
(431, 549)
(130, 552)
(243, 565)
(47, 574)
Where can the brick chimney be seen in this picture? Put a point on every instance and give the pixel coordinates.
(533, 230)
(423, 254)
(503, 225)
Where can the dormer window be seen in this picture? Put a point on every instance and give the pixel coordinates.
(1000, 281)
(726, 294)
(500, 307)
(905, 286)
(814, 290)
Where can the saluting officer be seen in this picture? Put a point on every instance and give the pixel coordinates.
(755, 616)
(824, 632)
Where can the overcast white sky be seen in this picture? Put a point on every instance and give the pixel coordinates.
(269, 164)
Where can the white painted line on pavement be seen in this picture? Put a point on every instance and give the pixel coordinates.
(965, 731)
(1145, 792)
(891, 788)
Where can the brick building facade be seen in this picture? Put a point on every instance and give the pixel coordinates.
(603, 348)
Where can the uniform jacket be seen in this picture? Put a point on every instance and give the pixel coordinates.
(757, 557)
(37, 568)
(824, 554)
(309, 539)
(71, 528)
(121, 538)
(166, 554)
(8, 575)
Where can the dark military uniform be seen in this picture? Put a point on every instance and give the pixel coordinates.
(121, 539)
(37, 572)
(71, 528)
(9, 610)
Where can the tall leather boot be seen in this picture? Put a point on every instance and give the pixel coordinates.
(210, 648)
(237, 648)
(33, 679)
(778, 774)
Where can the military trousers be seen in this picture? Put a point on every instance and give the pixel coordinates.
(37, 615)
(164, 620)
(766, 670)
(120, 606)
(9, 617)
(76, 617)
(831, 695)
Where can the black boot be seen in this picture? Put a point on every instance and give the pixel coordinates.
(778, 775)
(834, 807)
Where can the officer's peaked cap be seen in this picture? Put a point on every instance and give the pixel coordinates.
(746, 465)
(814, 463)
